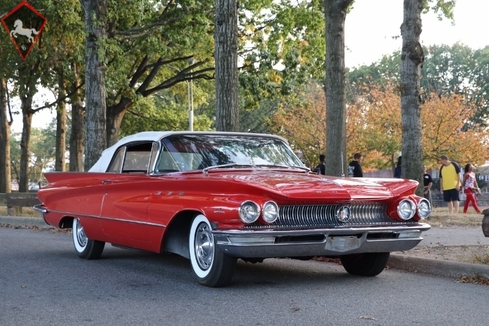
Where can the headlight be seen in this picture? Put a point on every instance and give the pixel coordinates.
(424, 208)
(249, 211)
(270, 212)
(406, 209)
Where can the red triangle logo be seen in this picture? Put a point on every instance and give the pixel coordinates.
(24, 25)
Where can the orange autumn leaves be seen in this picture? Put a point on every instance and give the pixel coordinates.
(303, 122)
(374, 128)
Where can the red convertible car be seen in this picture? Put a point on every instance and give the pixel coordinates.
(215, 197)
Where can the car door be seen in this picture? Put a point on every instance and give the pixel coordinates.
(125, 201)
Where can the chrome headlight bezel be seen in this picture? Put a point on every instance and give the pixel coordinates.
(249, 211)
(270, 211)
(424, 208)
(406, 209)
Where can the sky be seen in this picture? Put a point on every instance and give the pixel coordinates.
(372, 24)
(370, 31)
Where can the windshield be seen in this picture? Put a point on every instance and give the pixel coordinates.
(197, 152)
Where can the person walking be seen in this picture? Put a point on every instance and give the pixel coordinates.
(355, 166)
(321, 168)
(470, 187)
(427, 184)
(450, 183)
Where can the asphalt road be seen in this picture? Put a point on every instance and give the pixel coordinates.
(43, 282)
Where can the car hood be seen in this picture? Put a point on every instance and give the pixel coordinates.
(311, 186)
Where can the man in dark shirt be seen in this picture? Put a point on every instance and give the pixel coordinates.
(427, 183)
(355, 167)
(321, 168)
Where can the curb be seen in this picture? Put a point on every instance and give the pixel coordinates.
(437, 267)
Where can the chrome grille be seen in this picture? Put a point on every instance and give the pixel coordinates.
(318, 216)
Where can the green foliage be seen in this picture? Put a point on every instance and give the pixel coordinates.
(161, 112)
(442, 8)
(458, 69)
(283, 46)
(41, 155)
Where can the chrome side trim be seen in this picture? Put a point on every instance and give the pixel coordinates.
(108, 218)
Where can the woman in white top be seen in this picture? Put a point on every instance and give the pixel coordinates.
(470, 186)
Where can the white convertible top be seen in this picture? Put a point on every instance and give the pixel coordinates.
(103, 162)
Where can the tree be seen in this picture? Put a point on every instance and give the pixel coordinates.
(412, 58)
(303, 122)
(61, 127)
(95, 101)
(5, 119)
(458, 69)
(28, 74)
(287, 52)
(77, 135)
(5, 185)
(43, 152)
(226, 58)
(335, 14)
(165, 111)
(63, 72)
(15, 156)
(447, 134)
(38, 69)
(374, 126)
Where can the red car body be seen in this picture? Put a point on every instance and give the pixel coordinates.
(216, 197)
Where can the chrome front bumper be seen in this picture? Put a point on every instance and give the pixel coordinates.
(318, 242)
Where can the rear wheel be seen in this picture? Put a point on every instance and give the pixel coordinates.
(84, 247)
(211, 266)
(367, 264)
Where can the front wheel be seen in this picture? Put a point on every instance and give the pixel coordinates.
(367, 264)
(84, 247)
(211, 266)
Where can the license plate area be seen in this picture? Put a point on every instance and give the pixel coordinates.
(342, 243)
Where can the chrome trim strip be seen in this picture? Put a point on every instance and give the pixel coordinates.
(109, 219)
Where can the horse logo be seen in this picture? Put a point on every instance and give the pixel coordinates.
(20, 30)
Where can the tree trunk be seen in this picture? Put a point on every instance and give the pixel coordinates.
(5, 176)
(95, 23)
(115, 114)
(412, 59)
(226, 58)
(335, 15)
(24, 142)
(77, 135)
(59, 164)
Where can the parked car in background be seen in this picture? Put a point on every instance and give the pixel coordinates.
(215, 197)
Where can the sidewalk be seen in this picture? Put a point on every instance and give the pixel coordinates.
(453, 236)
(435, 237)
(443, 237)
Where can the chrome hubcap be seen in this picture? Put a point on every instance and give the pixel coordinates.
(81, 237)
(204, 246)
